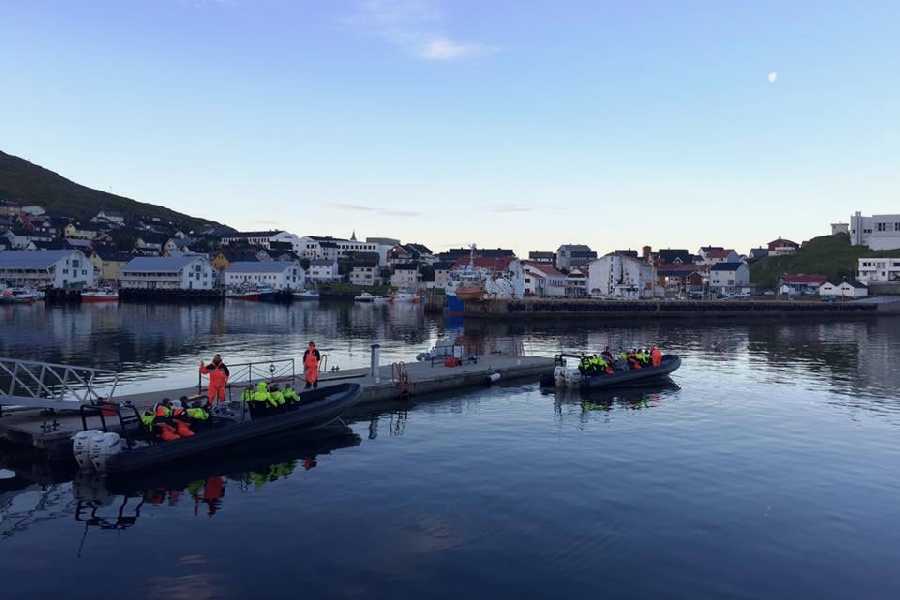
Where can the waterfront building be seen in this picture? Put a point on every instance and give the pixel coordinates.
(800, 284)
(782, 246)
(367, 275)
(619, 275)
(879, 270)
(57, 269)
(544, 280)
(729, 278)
(167, 273)
(322, 270)
(442, 274)
(576, 283)
(278, 275)
(878, 232)
(574, 255)
(845, 289)
(406, 276)
(108, 263)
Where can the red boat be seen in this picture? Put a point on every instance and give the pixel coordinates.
(103, 295)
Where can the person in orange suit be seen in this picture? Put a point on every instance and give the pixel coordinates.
(311, 360)
(218, 379)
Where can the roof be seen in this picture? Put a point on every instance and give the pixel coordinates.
(780, 242)
(546, 269)
(159, 263)
(500, 263)
(718, 252)
(25, 259)
(249, 234)
(269, 266)
(420, 248)
(442, 266)
(541, 254)
(802, 278)
(669, 256)
(726, 266)
(708, 249)
(575, 248)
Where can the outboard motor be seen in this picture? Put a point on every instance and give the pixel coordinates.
(82, 443)
(109, 444)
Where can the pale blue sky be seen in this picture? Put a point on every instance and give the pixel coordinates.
(520, 124)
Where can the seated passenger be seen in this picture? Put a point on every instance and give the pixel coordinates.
(290, 395)
(276, 395)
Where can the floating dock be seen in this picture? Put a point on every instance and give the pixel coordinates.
(50, 433)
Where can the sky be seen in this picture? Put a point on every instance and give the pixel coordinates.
(447, 122)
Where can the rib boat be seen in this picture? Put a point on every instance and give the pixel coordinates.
(566, 373)
(316, 409)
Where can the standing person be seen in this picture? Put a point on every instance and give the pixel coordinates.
(218, 378)
(311, 360)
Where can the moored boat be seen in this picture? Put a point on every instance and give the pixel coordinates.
(305, 295)
(566, 373)
(255, 293)
(364, 297)
(100, 295)
(20, 296)
(316, 409)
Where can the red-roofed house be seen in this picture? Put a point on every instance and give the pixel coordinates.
(782, 246)
(542, 279)
(800, 284)
(713, 255)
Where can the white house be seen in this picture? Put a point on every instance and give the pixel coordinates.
(711, 255)
(729, 278)
(331, 248)
(878, 270)
(364, 275)
(621, 276)
(844, 289)
(405, 276)
(59, 269)
(878, 232)
(287, 275)
(542, 279)
(167, 273)
(323, 271)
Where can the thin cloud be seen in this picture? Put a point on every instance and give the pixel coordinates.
(387, 212)
(512, 208)
(417, 27)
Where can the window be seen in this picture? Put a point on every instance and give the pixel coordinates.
(882, 226)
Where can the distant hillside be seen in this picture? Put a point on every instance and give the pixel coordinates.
(24, 183)
(829, 255)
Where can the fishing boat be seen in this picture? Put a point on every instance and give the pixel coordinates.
(364, 297)
(136, 450)
(100, 295)
(305, 295)
(20, 296)
(254, 293)
(566, 373)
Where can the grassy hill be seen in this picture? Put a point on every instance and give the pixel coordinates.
(24, 183)
(830, 255)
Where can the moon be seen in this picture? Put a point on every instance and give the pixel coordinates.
(773, 76)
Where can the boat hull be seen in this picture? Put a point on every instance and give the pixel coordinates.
(317, 408)
(670, 364)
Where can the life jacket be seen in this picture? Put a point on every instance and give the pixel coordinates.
(276, 398)
(182, 429)
(290, 394)
(147, 419)
(198, 414)
(262, 393)
(167, 433)
(161, 410)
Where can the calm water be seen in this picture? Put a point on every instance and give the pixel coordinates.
(768, 468)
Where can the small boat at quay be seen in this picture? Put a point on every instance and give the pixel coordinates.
(20, 296)
(405, 298)
(255, 294)
(135, 449)
(100, 295)
(305, 295)
(370, 298)
(567, 374)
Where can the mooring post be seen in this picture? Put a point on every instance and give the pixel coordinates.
(376, 355)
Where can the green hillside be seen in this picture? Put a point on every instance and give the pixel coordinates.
(830, 255)
(24, 183)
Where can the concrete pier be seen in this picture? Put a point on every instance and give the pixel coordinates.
(51, 434)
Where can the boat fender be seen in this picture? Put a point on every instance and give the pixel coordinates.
(493, 377)
(106, 446)
(82, 442)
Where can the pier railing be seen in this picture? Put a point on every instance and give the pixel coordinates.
(47, 385)
(244, 374)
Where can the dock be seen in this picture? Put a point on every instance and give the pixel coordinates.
(49, 433)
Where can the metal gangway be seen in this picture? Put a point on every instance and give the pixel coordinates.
(34, 384)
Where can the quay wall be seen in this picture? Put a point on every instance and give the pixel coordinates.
(536, 308)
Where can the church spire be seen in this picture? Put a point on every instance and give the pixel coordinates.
(353, 236)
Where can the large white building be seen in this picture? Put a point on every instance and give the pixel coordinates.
(542, 279)
(844, 289)
(621, 276)
(59, 269)
(879, 270)
(729, 278)
(167, 273)
(878, 232)
(287, 275)
(322, 270)
(331, 248)
(264, 239)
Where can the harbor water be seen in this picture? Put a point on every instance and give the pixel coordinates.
(766, 467)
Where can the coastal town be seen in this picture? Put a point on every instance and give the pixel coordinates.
(42, 253)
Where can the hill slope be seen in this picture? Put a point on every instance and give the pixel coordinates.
(23, 183)
(829, 255)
